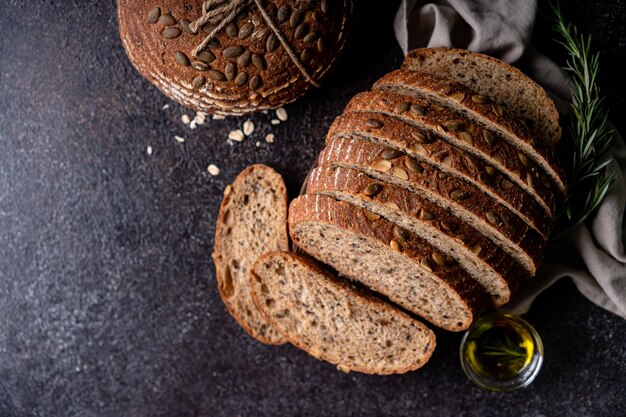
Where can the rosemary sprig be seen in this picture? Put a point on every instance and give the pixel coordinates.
(588, 137)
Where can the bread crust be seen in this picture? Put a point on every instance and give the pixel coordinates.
(340, 286)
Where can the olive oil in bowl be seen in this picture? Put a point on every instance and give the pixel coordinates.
(501, 352)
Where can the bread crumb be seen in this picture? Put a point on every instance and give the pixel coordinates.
(269, 138)
(213, 170)
(192, 124)
(275, 122)
(185, 119)
(179, 139)
(281, 113)
(236, 135)
(248, 127)
(149, 150)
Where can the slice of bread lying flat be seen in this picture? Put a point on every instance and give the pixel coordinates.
(252, 221)
(334, 322)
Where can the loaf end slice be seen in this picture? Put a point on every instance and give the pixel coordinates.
(334, 322)
(252, 221)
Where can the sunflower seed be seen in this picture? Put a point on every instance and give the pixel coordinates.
(184, 24)
(213, 170)
(392, 205)
(419, 136)
(306, 56)
(216, 75)
(391, 153)
(461, 238)
(206, 57)
(301, 31)
(283, 13)
(425, 215)
(153, 15)
(529, 180)
(439, 258)
(171, 33)
(453, 125)
(296, 18)
(488, 136)
(259, 62)
(272, 43)
(426, 264)
(271, 9)
(244, 59)
(401, 107)
(523, 159)
(517, 173)
(208, 28)
(248, 127)
(493, 218)
(418, 110)
(459, 195)
(231, 30)
(230, 71)
(400, 173)
(167, 20)
(236, 135)
(458, 96)
(321, 45)
(381, 165)
(246, 30)
(232, 51)
(447, 161)
(506, 184)
(506, 220)
(325, 6)
(374, 123)
(498, 159)
(370, 216)
(198, 81)
(449, 226)
(310, 37)
(489, 169)
(401, 234)
(497, 109)
(199, 66)
(437, 108)
(413, 166)
(395, 246)
(372, 189)
(182, 59)
(185, 119)
(480, 99)
(471, 128)
(466, 137)
(241, 79)
(255, 83)
(420, 150)
(214, 43)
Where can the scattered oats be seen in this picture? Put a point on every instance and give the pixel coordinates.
(193, 124)
(167, 106)
(281, 113)
(218, 117)
(236, 135)
(264, 112)
(248, 127)
(200, 118)
(149, 150)
(275, 122)
(269, 138)
(179, 139)
(258, 144)
(213, 170)
(185, 119)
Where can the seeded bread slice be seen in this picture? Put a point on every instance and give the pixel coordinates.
(496, 271)
(398, 135)
(477, 108)
(495, 79)
(481, 212)
(334, 322)
(443, 124)
(390, 261)
(252, 221)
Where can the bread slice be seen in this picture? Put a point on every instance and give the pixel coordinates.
(424, 147)
(252, 221)
(334, 322)
(441, 124)
(495, 79)
(469, 204)
(479, 109)
(496, 271)
(387, 259)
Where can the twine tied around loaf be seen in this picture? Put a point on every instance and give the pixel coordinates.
(223, 12)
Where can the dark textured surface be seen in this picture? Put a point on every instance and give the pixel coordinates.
(108, 305)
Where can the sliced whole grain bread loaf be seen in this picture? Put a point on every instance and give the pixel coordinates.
(497, 222)
(479, 109)
(493, 269)
(333, 321)
(252, 221)
(387, 259)
(495, 79)
(443, 124)
(399, 135)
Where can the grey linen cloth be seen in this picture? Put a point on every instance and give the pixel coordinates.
(592, 255)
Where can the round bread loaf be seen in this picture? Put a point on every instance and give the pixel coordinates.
(233, 56)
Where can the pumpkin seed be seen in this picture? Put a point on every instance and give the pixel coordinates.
(272, 43)
(391, 153)
(419, 136)
(153, 15)
(372, 189)
(259, 62)
(321, 45)
(283, 13)
(301, 31)
(392, 205)
(216, 75)
(467, 138)
(244, 59)
(395, 246)
(488, 136)
(418, 110)
(230, 71)
(506, 184)
(182, 59)
(231, 30)
(370, 216)
(198, 81)
(425, 215)
(413, 166)
(296, 18)
(306, 56)
(439, 258)
(167, 20)
(480, 99)
(401, 234)
(459, 195)
(246, 30)
(233, 51)
(255, 83)
(493, 218)
(206, 57)
(310, 37)
(381, 165)
(199, 66)
(498, 110)
(401, 107)
(171, 33)
(400, 173)
(374, 123)
(458, 96)
(241, 79)
(184, 24)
